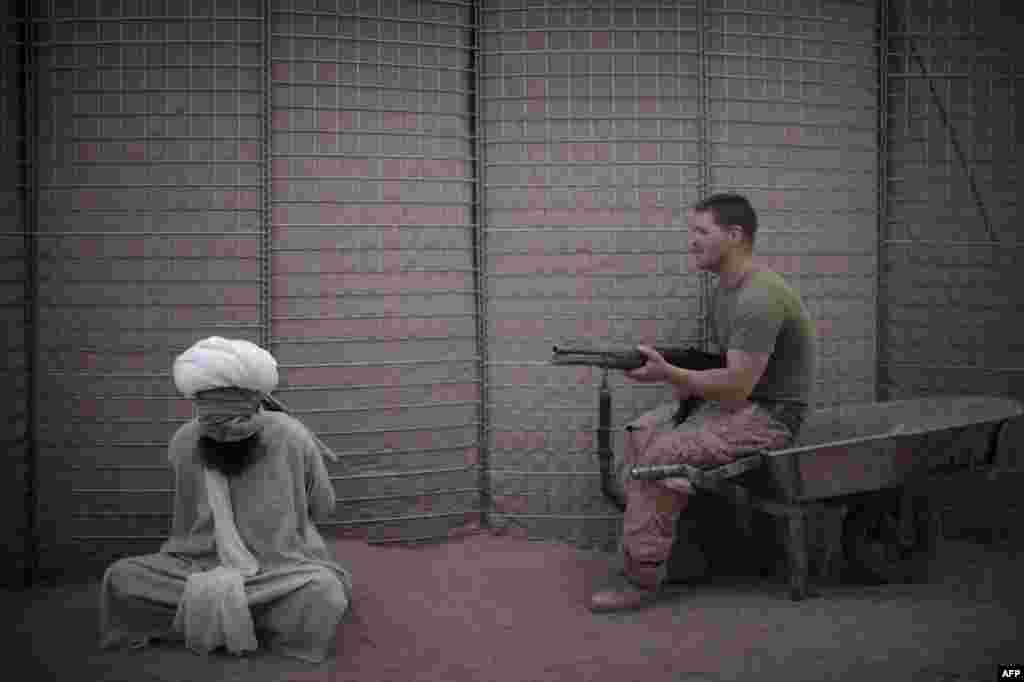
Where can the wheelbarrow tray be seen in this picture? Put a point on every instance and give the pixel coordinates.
(860, 448)
(864, 447)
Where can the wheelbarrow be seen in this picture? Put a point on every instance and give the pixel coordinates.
(869, 462)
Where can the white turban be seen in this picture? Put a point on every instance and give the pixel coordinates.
(224, 363)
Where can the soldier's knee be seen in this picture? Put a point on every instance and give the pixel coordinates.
(669, 447)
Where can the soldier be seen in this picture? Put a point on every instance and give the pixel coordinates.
(758, 401)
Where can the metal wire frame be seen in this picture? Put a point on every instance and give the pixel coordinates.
(758, 77)
(881, 385)
(705, 163)
(266, 142)
(479, 161)
(470, 117)
(660, 29)
(161, 235)
(346, 501)
(372, 17)
(948, 75)
(953, 137)
(29, 90)
(914, 56)
(149, 18)
(281, 60)
(746, 12)
(374, 41)
(656, 51)
(368, 453)
(480, 281)
(142, 41)
(953, 242)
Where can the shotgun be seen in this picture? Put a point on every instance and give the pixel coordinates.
(626, 359)
(631, 358)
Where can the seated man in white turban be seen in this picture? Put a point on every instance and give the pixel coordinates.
(244, 565)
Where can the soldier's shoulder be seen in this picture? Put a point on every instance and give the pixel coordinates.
(771, 282)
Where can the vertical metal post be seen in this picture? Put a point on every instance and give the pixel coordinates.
(29, 181)
(480, 284)
(881, 383)
(705, 161)
(265, 181)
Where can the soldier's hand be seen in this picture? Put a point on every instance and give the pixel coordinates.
(655, 369)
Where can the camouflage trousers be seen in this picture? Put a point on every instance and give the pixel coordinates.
(711, 436)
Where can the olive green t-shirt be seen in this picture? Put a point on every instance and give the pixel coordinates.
(765, 315)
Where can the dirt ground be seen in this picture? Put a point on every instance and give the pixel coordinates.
(498, 608)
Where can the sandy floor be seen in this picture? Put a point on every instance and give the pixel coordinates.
(487, 608)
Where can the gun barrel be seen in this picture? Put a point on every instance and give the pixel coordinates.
(580, 351)
(611, 360)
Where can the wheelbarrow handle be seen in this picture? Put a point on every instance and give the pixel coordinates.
(657, 473)
(745, 460)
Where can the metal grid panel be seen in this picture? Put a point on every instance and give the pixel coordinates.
(590, 114)
(373, 282)
(952, 279)
(148, 240)
(793, 125)
(15, 301)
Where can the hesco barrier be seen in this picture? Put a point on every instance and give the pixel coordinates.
(602, 123)
(408, 203)
(372, 280)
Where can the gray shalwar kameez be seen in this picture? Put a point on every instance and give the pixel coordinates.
(300, 593)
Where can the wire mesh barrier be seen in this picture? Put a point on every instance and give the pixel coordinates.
(372, 274)
(408, 203)
(16, 261)
(792, 113)
(147, 236)
(589, 128)
(602, 123)
(950, 240)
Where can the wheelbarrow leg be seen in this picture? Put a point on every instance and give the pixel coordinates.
(796, 550)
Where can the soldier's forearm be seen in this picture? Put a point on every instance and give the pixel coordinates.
(709, 384)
